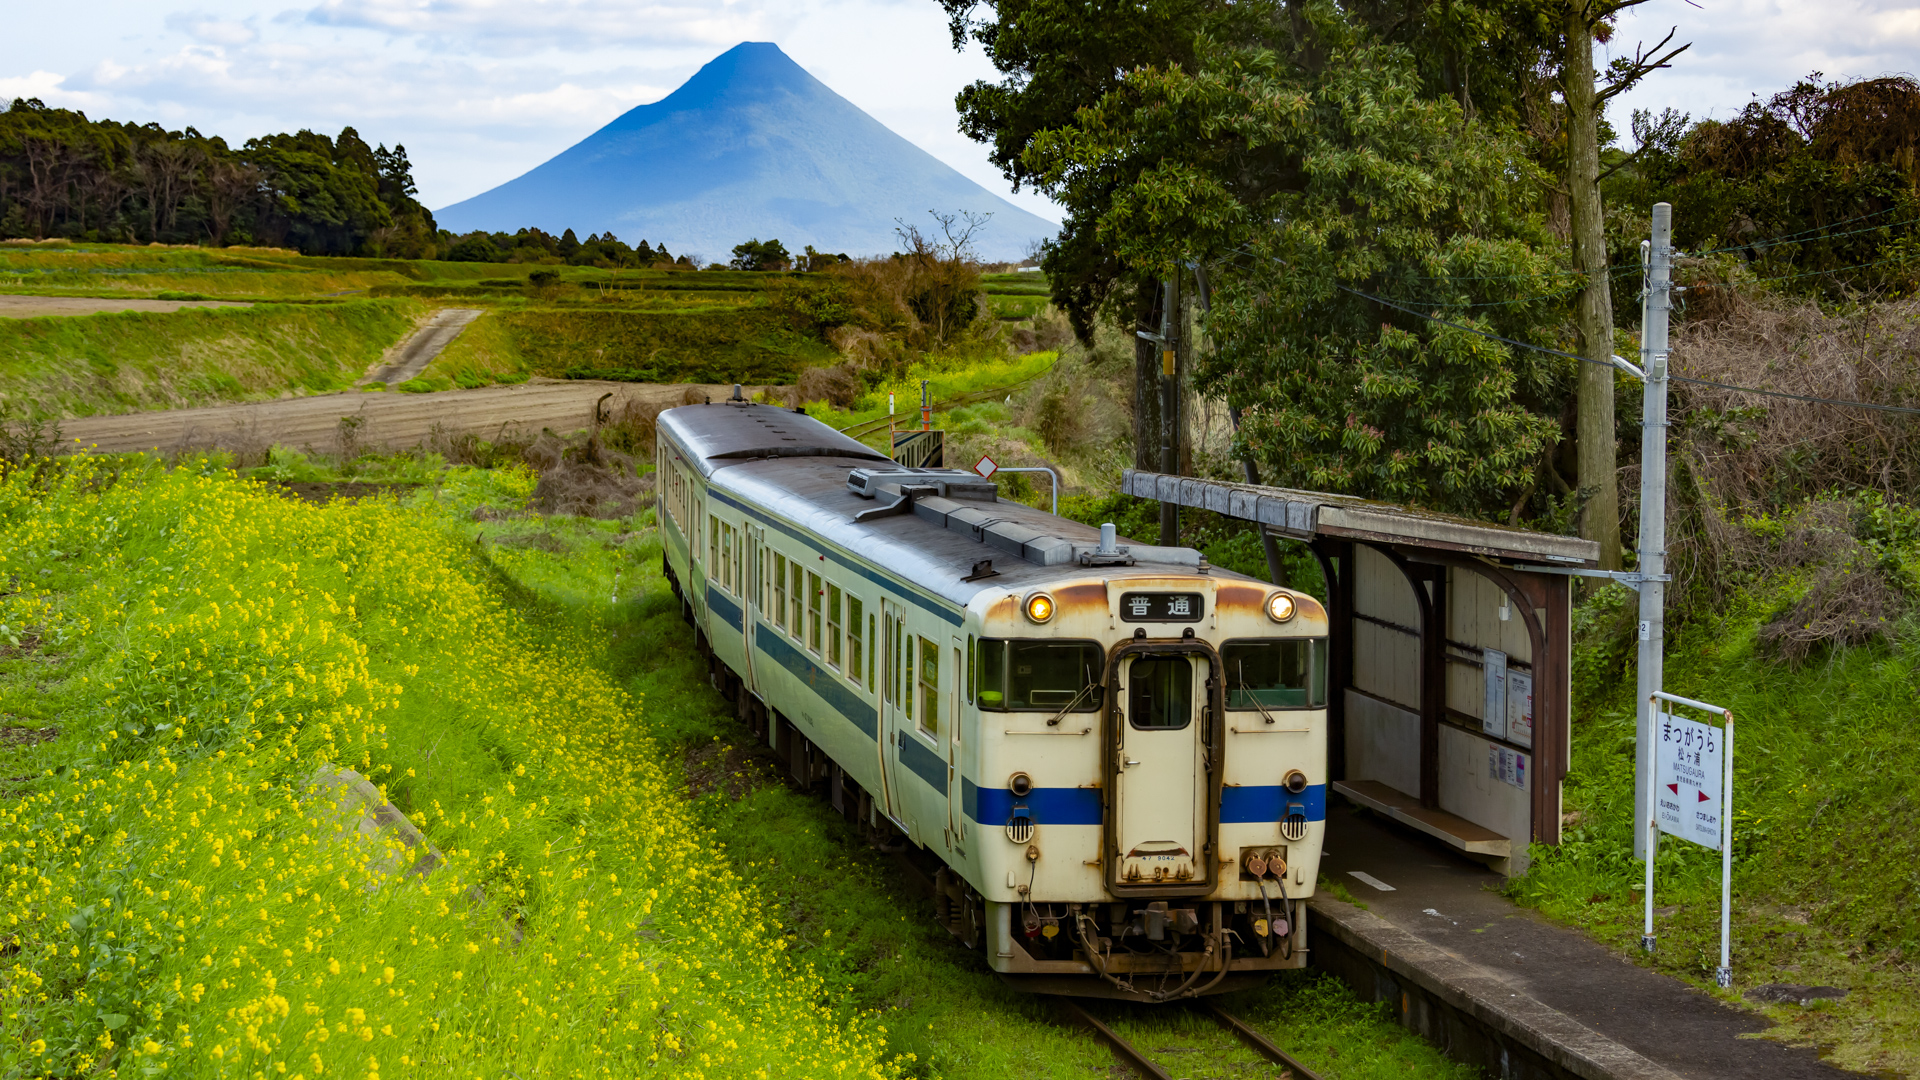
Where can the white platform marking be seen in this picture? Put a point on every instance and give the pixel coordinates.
(1371, 880)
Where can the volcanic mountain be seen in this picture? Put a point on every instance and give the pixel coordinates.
(751, 147)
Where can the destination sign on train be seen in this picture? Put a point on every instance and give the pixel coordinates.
(1162, 607)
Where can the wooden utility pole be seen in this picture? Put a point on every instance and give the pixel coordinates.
(1146, 380)
(1170, 419)
(1593, 308)
(1597, 460)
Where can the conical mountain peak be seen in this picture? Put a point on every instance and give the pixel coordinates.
(752, 146)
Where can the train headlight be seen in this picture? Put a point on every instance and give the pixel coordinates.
(1040, 607)
(1296, 781)
(1020, 784)
(1279, 607)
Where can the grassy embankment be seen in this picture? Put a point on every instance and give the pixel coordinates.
(1826, 863)
(179, 899)
(128, 361)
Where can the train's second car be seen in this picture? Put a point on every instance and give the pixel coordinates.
(1114, 755)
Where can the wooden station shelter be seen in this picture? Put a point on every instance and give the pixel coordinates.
(1450, 649)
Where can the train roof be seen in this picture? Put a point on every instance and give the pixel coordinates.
(930, 527)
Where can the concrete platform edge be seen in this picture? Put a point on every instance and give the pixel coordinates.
(1472, 1015)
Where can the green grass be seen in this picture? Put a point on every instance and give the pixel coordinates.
(129, 361)
(1827, 862)
(710, 345)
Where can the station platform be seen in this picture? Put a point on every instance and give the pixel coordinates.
(1499, 985)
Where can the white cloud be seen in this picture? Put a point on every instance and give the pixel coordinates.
(212, 29)
(517, 27)
(1747, 49)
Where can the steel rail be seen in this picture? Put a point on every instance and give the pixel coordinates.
(1260, 1043)
(1122, 1049)
(1146, 1066)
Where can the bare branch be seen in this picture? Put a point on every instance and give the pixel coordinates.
(1623, 75)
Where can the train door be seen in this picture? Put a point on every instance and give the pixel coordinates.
(750, 597)
(1160, 772)
(891, 713)
(956, 817)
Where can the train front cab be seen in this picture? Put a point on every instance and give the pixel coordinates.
(1146, 785)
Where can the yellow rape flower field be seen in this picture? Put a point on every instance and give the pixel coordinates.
(180, 894)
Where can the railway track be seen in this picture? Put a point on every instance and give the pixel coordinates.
(1139, 1062)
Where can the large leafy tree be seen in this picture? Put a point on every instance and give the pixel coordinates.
(1340, 204)
(1331, 183)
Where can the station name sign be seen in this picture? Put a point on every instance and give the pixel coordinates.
(1176, 607)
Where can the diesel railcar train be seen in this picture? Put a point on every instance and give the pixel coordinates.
(1112, 756)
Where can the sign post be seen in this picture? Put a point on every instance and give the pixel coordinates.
(1693, 800)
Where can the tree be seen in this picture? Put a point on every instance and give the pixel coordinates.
(757, 254)
(1336, 200)
(1056, 58)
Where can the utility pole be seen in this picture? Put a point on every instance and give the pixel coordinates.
(1170, 404)
(1655, 302)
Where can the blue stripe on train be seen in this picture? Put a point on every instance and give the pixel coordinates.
(1081, 806)
(842, 699)
(722, 606)
(924, 763)
(1241, 805)
(1046, 806)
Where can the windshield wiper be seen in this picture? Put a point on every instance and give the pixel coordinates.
(1241, 667)
(1055, 721)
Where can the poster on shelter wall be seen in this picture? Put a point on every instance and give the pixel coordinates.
(1493, 717)
(1507, 766)
(1520, 708)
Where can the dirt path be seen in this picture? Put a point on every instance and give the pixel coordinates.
(28, 307)
(411, 356)
(388, 420)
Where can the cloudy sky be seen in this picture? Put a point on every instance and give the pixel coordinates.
(481, 90)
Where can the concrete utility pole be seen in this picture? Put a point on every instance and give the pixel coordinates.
(1170, 404)
(1655, 302)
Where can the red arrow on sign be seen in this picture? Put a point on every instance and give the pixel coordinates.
(1675, 788)
(1703, 797)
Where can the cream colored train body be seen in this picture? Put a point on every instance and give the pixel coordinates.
(1111, 758)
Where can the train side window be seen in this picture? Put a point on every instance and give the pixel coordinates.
(893, 663)
(795, 590)
(969, 669)
(856, 644)
(929, 678)
(726, 557)
(713, 548)
(833, 625)
(993, 675)
(813, 612)
(780, 591)
(875, 647)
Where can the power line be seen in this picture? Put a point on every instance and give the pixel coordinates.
(1814, 233)
(1588, 360)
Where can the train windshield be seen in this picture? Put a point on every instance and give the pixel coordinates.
(1282, 673)
(1049, 676)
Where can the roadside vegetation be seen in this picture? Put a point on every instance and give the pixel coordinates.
(190, 660)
